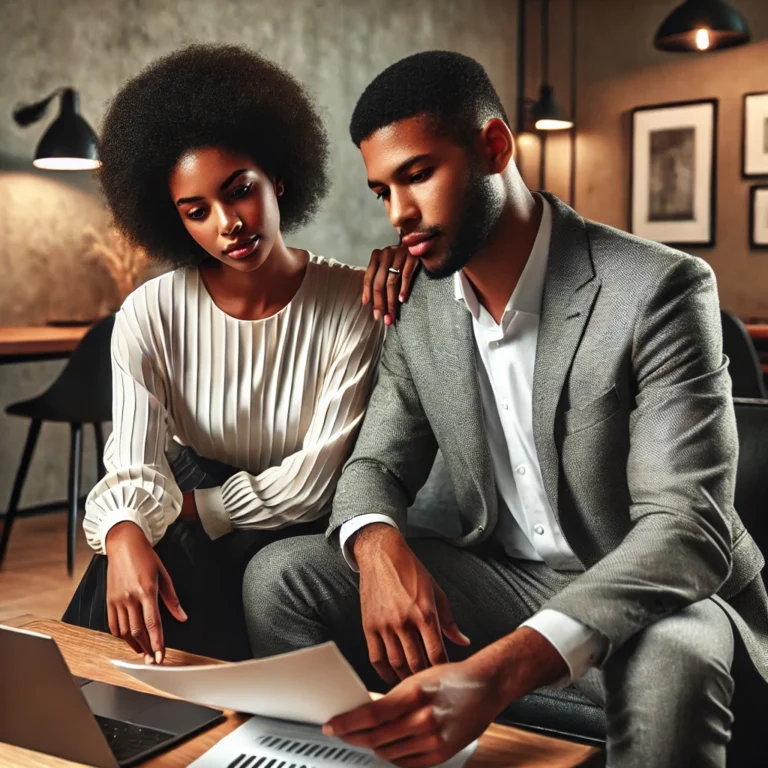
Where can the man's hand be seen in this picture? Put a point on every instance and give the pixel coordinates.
(405, 613)
(135, 579)
(431, 716)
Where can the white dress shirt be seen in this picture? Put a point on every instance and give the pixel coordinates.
(527, 528)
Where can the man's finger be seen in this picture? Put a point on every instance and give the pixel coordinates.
(377, 653)
(168, 593)
(447, 622)
(137, 628)
(396, 655)
(369, 275)
(432, 638)
(398, 702)
(410, 747)
(414, 652)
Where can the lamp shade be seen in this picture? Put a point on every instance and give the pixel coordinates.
(69, 144)
(702, 25)
(547, 114)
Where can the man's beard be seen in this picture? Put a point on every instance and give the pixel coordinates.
(479, 213)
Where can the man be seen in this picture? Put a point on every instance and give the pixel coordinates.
(573, 378)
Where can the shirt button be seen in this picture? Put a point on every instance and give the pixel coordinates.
(505, 405)
(521, 470)
(480, 528)
(538, 529)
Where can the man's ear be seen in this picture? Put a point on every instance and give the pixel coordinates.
(497, 145)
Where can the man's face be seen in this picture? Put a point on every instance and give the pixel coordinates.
(438, 198)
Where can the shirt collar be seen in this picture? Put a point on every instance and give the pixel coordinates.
(529, 290)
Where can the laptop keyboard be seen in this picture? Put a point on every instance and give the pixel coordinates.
(127, 740)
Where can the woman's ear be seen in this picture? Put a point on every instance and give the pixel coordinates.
(279, 186)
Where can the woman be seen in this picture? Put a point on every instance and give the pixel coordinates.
(251, 354)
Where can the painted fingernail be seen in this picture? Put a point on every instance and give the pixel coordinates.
(402, 298)
(328, 730)
(376, 314)
(147, 658)
(158, 657)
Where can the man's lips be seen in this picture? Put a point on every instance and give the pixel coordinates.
(242, 248)
(419, 245)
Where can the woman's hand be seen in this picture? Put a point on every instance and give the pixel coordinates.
(388, 288)
(135, 578)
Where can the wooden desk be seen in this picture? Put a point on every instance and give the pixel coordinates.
(87, 653)
(19, 344)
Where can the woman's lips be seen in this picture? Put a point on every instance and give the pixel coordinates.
(245, 250)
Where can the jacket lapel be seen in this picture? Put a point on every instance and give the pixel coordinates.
(453, 347)
(570, 290)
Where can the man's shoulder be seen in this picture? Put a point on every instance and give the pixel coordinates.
(633, 262)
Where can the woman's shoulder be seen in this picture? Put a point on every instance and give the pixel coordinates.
(161, 291)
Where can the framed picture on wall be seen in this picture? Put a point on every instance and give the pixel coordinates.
(758, 217)
(755, 135)
(672, 194)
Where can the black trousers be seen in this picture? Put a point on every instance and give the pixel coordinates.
(206, 574)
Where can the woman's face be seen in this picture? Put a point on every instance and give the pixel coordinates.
(228, 205)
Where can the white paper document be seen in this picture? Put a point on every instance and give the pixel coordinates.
(265, 743)
(309, 686)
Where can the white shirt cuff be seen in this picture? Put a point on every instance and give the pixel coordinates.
(348, 534)
(580, 646)
(210, 509)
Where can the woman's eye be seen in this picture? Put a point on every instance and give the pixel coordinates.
(382, 194)
(197, 214)
(242, 191)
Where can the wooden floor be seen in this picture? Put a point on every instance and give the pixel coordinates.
(34, 575)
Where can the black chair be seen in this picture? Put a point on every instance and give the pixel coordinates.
(743, 362)
(569, 715)
(82, 394)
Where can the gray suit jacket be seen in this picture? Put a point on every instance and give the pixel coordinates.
(632, 413)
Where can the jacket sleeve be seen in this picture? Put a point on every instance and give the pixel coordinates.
(682, 439)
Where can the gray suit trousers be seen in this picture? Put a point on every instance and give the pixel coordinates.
(666, 692)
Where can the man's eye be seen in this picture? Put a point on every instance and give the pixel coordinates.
(242, 191)
(421, 176)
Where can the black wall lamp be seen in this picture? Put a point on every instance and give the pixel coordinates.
(702, 25)
(69, 144)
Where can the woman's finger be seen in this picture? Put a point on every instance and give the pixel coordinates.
(410, 268)
(393, 285)
(137, 628)
(124, 627)
(370, 273)
(114, 626)
(380, 283)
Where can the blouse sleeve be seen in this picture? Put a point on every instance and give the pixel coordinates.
(301, 486)
(138, 485)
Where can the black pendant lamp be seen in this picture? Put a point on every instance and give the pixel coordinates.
(702, 25)
(546, 113)
(69, 144)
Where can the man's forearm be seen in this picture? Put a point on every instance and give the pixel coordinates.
(518, 664)
(372, 538)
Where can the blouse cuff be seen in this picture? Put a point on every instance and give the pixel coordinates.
(114, 517)
(212, 513)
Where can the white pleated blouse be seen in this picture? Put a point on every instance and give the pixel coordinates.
(280, 398)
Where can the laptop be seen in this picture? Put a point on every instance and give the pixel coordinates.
(46, 709)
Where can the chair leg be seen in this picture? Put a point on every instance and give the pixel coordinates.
(99, 450)
(18, 484)
(75, 469)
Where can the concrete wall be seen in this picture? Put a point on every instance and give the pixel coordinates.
(335, 47)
